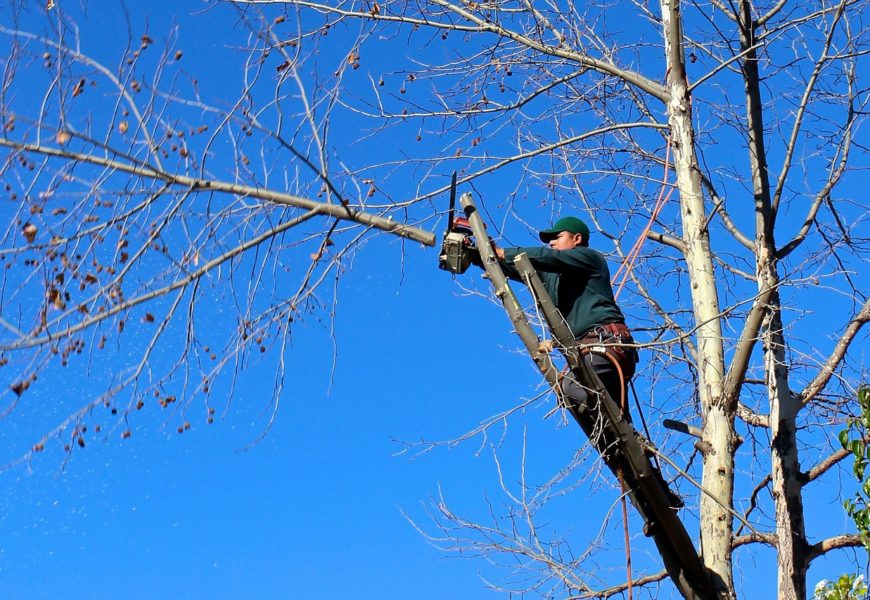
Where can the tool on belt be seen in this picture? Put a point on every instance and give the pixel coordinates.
(612, 339)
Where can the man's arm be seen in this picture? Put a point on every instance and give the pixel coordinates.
(506, 266)
(555, 261)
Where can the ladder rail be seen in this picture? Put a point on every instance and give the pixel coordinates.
(614, 438)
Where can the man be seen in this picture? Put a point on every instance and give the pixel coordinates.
(578, 281)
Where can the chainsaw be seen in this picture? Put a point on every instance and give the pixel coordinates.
(457, 248)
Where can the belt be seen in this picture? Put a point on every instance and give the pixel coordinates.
(599, 332)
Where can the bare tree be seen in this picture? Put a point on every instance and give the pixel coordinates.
(146, 221)
(748, 293)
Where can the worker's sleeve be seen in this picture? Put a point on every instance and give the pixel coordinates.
(507, 265)
(556, 261)
(474, 256)
(508, 268)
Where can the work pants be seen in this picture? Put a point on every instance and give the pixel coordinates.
(609, 376)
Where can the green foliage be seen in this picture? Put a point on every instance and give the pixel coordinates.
(855, 439)
(847, 587)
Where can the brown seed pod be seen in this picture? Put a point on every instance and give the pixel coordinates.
(29, 231)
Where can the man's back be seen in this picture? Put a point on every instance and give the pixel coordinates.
(578, 281)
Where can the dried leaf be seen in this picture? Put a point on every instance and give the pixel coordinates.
(29, 231)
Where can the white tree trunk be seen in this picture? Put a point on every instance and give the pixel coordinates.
(718, 429)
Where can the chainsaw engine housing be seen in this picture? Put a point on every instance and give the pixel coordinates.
(454, 256)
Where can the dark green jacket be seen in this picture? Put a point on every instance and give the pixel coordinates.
(577, 280)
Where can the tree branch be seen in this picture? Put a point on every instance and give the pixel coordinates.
(729, 224)
(30, 341)
(754, 538)
(338, 211)
(833, 543)
(750, 417)
(612, 591)
(482, 25)
(743, 352)
(825, 194)
(839, 352)
(801, 111)
(823, 467)
(667, 240)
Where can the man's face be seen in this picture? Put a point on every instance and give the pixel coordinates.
(566, 241)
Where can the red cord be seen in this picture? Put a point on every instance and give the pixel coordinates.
(628, 263)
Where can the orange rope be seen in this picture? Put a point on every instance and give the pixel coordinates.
(623, 403)
(634, 253)
(627, 538)
(627, 265)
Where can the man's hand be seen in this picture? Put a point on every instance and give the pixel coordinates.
(545, 346)
(474, 255)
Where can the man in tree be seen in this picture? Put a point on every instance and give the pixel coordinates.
(578, 281)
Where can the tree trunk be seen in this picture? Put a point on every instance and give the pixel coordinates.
(718, 429)
(785, 466)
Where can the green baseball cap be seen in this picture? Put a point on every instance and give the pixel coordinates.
(569, 224)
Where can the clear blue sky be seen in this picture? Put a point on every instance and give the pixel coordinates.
(317, 508)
